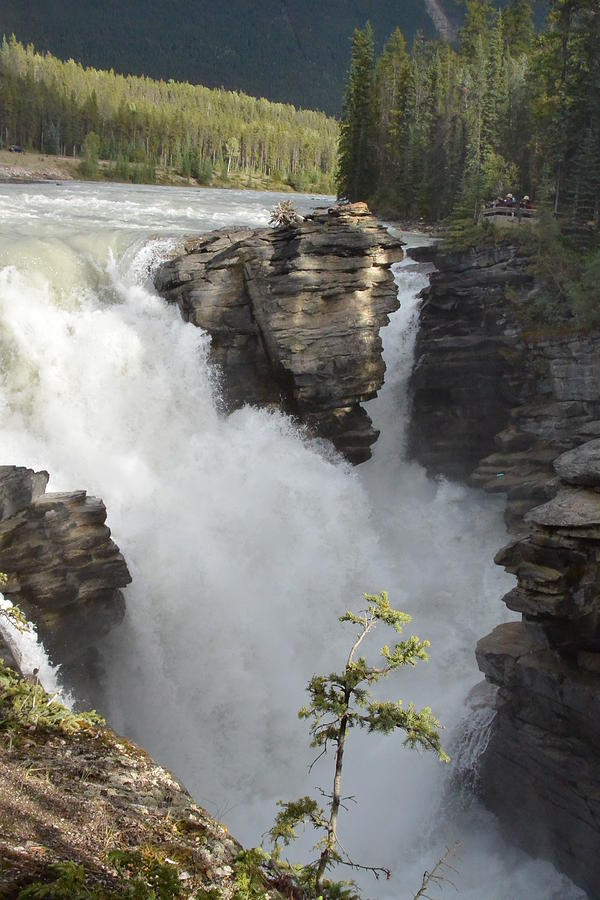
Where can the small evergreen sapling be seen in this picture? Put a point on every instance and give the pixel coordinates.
(341, 701)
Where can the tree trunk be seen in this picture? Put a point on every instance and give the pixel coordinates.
(336, 799)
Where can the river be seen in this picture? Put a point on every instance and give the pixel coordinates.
(245, 539)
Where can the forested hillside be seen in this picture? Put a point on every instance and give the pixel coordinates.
(430, 126)
(295, 51)
(435, 132)
(62, 108)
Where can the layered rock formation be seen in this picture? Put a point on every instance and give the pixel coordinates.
(294, 315)
(543, 756)
(461, 381)
(495, 401)
(63, 569)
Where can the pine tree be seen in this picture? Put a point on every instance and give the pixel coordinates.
(342, 701)
(392, 75)
(568, 103)
(357, 171)
(519, 29)
(476, 28)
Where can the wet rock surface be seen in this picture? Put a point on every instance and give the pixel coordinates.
(519, 414)
(64, 571)
(544, 754)
(494, 400)
(294, 316)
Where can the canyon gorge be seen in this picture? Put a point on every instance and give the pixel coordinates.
(295, 318)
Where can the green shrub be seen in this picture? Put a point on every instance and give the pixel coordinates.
(28, 706)
(140, 876)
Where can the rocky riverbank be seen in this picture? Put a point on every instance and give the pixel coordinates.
(513, 410)
(294, 315)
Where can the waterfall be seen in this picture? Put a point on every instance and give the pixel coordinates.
(30, 654)
(245, 540)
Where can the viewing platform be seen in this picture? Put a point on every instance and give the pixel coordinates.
(508, 215)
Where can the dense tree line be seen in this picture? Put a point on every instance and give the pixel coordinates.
(293, 52)
(435, 129)
(139, 124)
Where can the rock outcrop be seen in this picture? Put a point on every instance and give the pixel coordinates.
(494, 400)
(63, 570)
(517, 411)
(294, 315)
(543, 757)
(76, 795)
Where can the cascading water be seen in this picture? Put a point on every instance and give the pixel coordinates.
(245, 540)
(29, 653)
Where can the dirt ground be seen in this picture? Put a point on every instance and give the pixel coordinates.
(28, 167)
(79, 797)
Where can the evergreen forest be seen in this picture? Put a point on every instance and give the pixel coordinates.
(293, 52)
(434, 130)
(140, 125)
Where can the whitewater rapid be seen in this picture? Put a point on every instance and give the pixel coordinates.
(245, 539)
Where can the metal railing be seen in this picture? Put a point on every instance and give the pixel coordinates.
(509, 212)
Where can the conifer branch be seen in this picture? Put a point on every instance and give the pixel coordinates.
(333, 713)
(434, 877)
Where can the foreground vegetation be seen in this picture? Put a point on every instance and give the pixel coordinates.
(148, 129)
(35, 729)
(340, 702)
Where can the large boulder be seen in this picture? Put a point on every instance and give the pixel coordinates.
(294, 315)
(581, 465)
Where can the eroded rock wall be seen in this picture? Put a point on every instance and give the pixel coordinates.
(516, 411)
(495, 400)
(294, 316)
(543, 757)
(64, 571)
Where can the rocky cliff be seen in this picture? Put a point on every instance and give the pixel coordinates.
(294, 315)
(544, 753)
(63, 569)
(512, 410)
(495, 400)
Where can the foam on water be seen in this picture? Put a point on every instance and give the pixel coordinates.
(245, 540)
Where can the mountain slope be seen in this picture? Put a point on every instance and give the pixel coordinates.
(295, 51)
(291, 50)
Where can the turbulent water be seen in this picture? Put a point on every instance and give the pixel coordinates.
(245, 540)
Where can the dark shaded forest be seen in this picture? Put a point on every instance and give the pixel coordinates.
(293, 51)
(432, 127)
(435, 132)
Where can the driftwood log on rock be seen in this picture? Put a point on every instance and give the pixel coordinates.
(294, 315)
